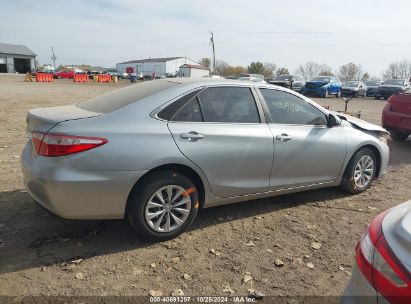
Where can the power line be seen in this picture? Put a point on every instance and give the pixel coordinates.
(315, 44)
(317, 32)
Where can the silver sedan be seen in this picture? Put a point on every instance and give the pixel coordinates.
(157, 152)
(382, 271)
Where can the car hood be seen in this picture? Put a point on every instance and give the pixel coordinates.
(362, 124)
(391, 86)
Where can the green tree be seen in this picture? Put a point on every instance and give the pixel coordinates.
(205, 62)
(256, 68)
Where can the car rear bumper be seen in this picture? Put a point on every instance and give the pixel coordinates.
(58, 186)
(359, 291)
(394, 121)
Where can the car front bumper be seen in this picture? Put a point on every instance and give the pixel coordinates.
(316, 91)
(385, 157)
(58, 186)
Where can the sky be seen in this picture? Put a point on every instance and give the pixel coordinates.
(372, 33)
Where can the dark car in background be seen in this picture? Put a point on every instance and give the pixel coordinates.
(372, 87)
(292, 82)
(323, 86)
(396, 116)
(354, 89)
(392, 86)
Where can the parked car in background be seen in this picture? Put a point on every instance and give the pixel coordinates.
(252, 75)
(68, 74)
(354, 89)
(382, 273)
(158, 151)
(252, 79)
(391, 86)
(372, 87)
(293, 82)
(113, 73)
(323, 86)
(396, 116)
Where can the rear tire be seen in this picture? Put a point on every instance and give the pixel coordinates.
(170, 195)
(360, 171)
(398, 136)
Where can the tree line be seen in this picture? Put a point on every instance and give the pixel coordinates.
(346, 72)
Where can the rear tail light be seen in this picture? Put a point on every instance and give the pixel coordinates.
(381, 267)
(59, 145)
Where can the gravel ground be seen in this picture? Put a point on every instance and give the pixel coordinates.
(45, 255)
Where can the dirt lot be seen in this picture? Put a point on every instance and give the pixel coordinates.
(37, 250)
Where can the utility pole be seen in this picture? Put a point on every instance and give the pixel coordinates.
(212, 43)
(53, 58)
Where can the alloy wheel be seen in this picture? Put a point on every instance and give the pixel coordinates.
(168, 208)
(364, 171)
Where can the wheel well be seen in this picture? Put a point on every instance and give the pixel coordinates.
(182, 169)
(377, 155)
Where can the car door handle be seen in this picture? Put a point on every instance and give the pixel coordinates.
(192, 136)
(284, 137)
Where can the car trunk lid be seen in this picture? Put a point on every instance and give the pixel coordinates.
(397, 231)
(44, 119)
(401, 103)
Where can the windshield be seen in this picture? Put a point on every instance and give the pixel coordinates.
(119, 98)
(394, 82)
(323, 79)
(351, 84)
(284, 77)
(372, 83)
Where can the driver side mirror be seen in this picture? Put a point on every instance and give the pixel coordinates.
(333, 120)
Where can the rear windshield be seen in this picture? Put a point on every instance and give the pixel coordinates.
(119, 98)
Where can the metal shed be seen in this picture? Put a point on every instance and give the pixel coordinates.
(16, 59)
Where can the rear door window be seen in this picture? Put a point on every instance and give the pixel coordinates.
(229, 104)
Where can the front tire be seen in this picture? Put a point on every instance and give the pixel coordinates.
(398, 136)
(338, 95)
(360, 172)
(325, 95)
(163, 206)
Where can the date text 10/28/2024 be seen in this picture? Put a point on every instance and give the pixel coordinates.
(202, 299)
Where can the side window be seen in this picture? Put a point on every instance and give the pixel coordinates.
(229, 104)
(168, 112)
(189, 112)
(286, 108)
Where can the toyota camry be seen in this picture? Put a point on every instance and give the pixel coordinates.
(157, 152)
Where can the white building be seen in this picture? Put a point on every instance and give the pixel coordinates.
(193, 71)
(17, 59)
(159, 66)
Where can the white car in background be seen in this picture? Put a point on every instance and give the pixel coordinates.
(252, 79)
